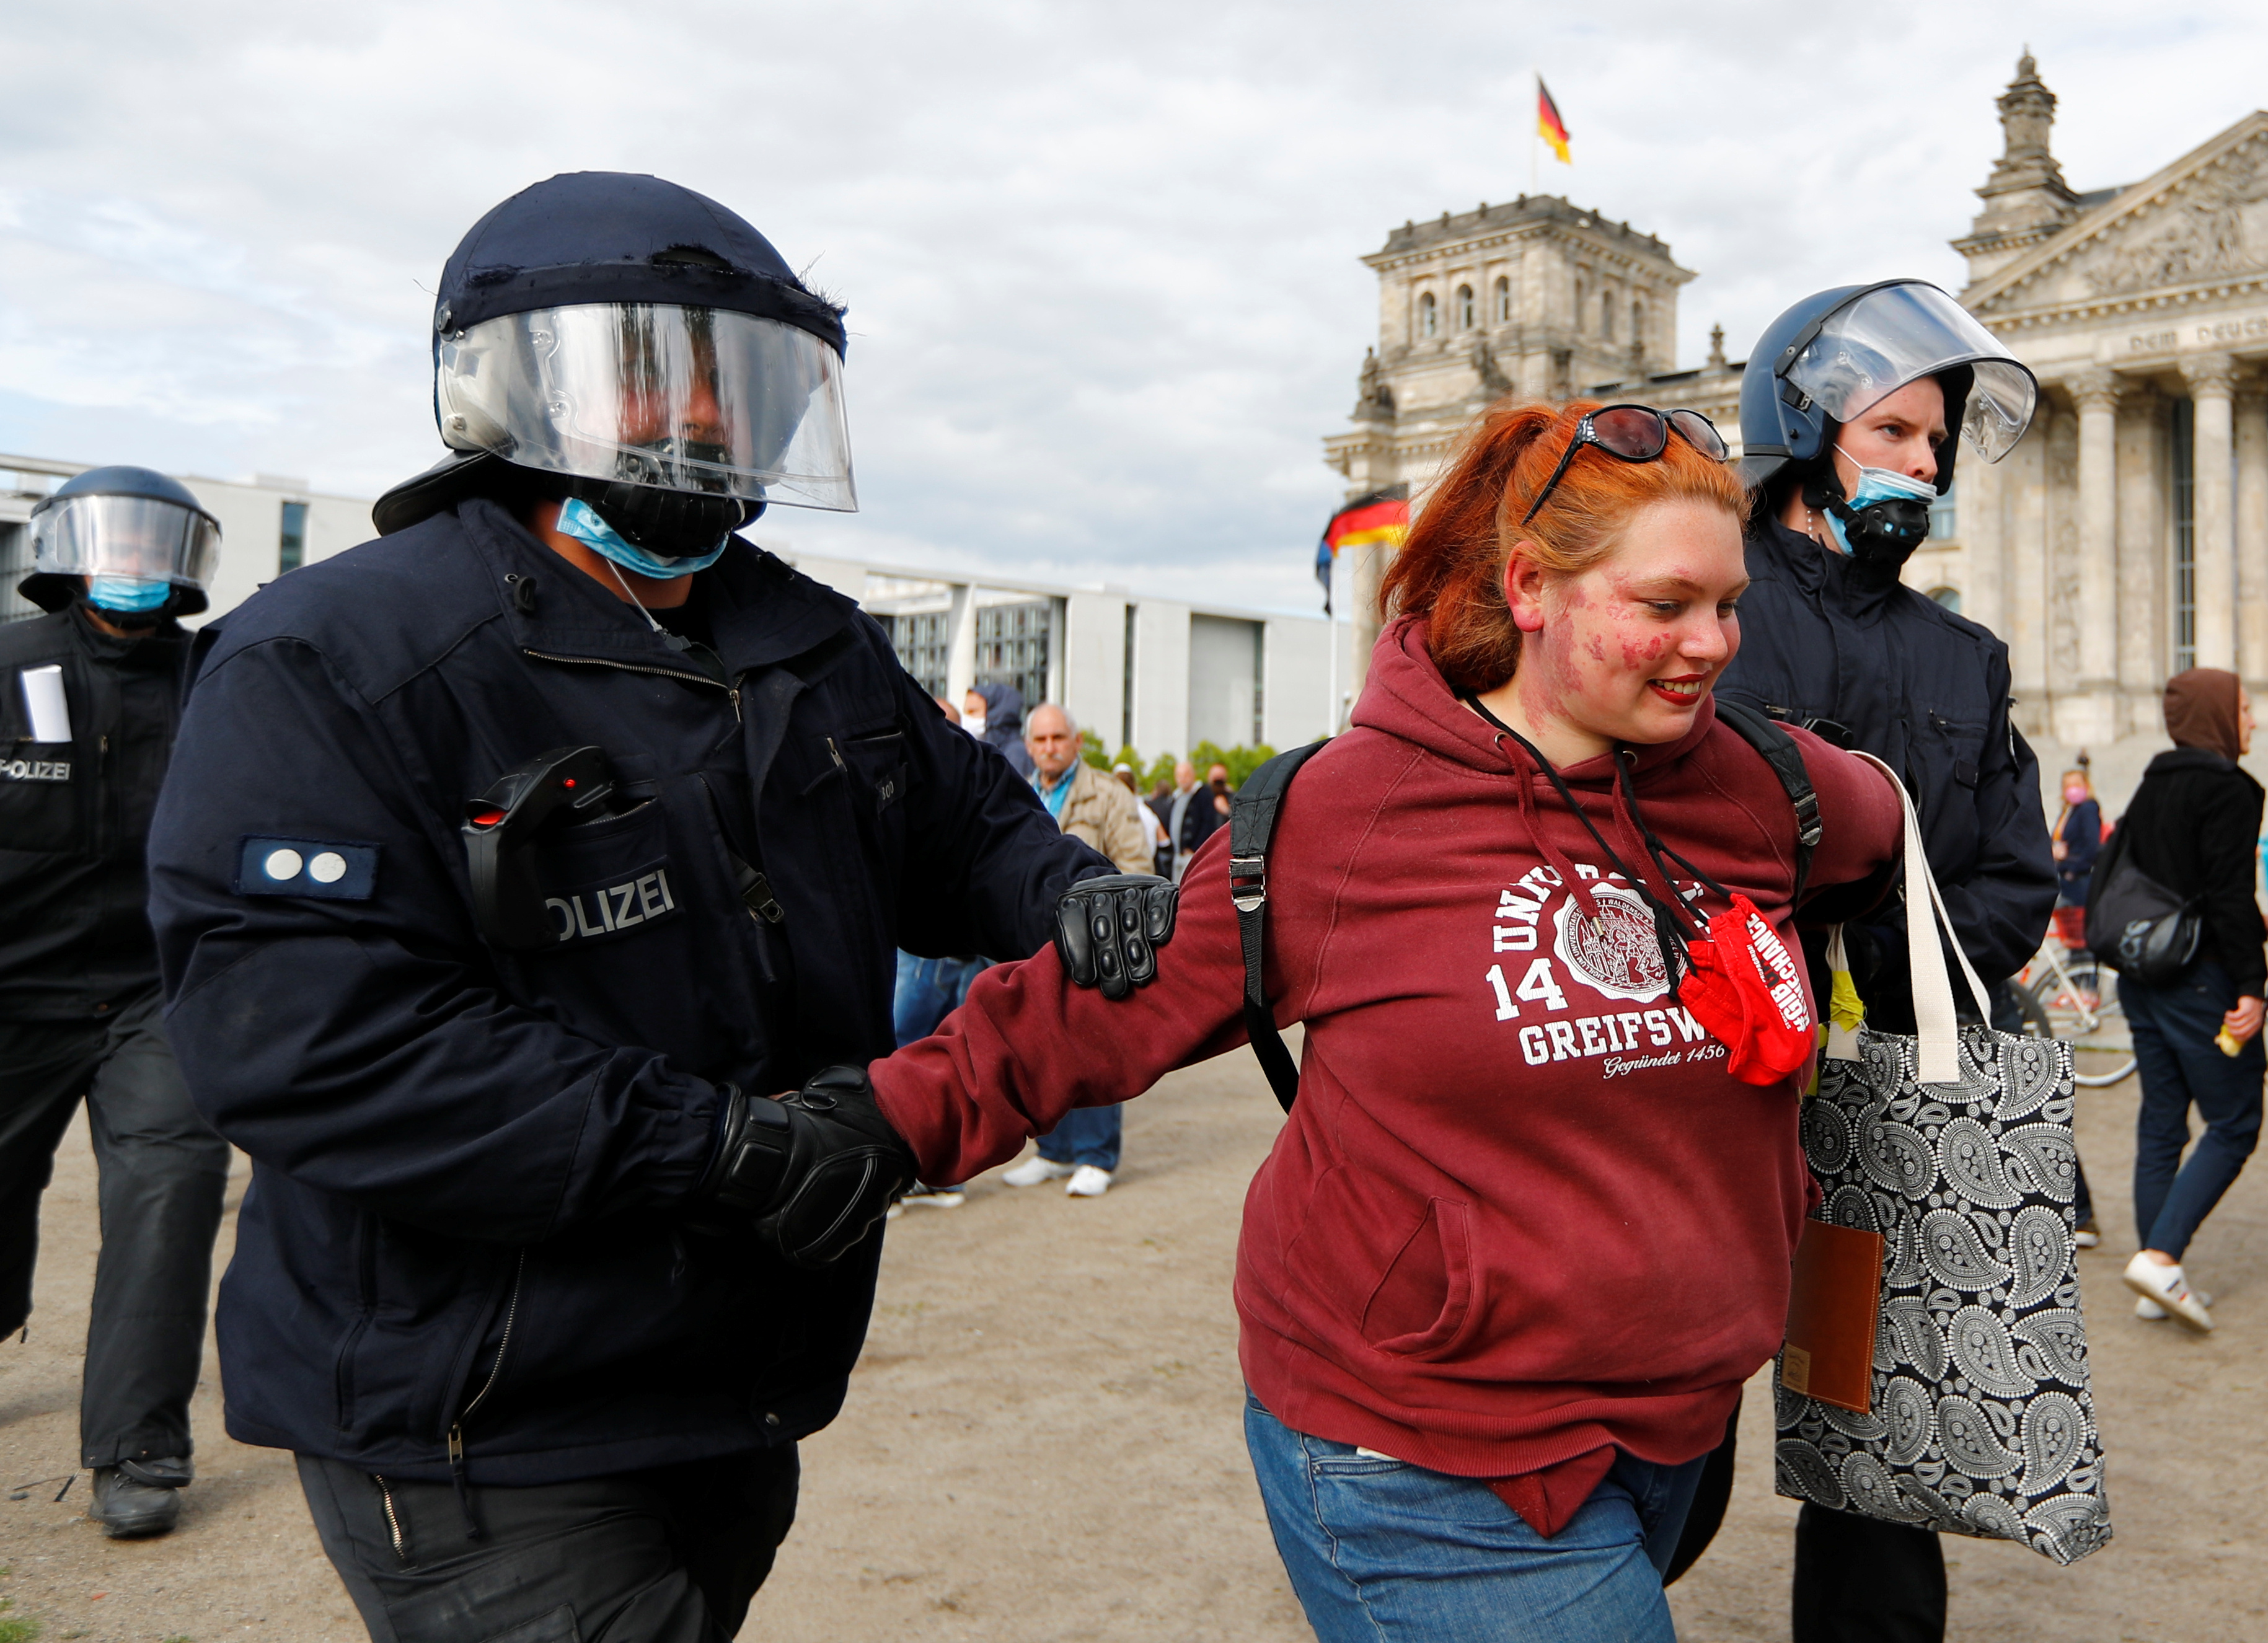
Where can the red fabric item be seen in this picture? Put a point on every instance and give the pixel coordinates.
(1521, 1212)
(2070, 927)
(1747, 990)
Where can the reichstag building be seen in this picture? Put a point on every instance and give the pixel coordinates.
(2125, 539)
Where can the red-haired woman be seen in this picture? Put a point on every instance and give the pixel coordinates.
(1526, 1233)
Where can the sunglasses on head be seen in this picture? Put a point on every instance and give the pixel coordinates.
(1633, 433)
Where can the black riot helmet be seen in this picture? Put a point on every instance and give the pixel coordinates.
(1838, 351)
(127, 526)
(626, 341)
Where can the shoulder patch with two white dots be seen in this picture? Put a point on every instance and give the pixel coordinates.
(307, 867)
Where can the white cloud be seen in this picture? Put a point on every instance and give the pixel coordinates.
(1102, 261)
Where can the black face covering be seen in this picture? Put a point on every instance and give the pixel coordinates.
(1882, 534)
(672, 523)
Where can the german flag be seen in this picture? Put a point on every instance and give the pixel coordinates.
(1549, 125)
(1383, 516)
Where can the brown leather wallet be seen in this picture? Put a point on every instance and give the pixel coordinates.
(1834, 1307)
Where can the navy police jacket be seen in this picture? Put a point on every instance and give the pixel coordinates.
(462, 1236)
(1926, 692)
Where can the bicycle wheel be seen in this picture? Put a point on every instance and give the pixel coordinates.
(2105, 1054)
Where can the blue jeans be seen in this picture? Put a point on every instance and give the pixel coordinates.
(2181, 1067)
(1383, 1552)
(928, 990)
(1086, 1135)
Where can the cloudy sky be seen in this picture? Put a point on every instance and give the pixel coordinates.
(1099, 260)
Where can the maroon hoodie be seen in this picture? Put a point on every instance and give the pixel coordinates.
(1520, 1214)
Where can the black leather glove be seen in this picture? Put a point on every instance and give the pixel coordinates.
(810, 1173)
(1108, 930)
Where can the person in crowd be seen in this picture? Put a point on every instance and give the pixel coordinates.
(1085, 1146)
(994, 714)
(1527, 1231)
(944, 706)
(1217, 779)
(2077, 840)
(508, 866)
(1191, 816)
(1851, 409)
(1153, 831)
(2191, 826)
(94, 686)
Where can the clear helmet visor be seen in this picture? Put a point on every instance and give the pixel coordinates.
(143, 537)
(1882, 340)
(691, 399)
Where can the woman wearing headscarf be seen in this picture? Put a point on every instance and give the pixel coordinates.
(2192, 827)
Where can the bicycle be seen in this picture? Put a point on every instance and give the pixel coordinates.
(2074, 997)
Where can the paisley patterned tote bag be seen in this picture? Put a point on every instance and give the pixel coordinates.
(1955, 1145)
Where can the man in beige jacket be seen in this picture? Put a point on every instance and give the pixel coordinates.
(1091, 805)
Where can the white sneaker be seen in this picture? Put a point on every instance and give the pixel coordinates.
(1088, 1182)
(936, 1198)
(2165, 1287)
(1035, 1171)
(2150, 1312)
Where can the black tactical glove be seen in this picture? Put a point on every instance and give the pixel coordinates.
(811, 1172)
(1107, 930)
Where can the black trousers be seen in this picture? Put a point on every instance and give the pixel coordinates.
(672, 1555)
(1859, 1580)
(163, 1173)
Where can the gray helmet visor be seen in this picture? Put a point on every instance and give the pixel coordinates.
(691, 399)
(136, 536)
(1888, 337)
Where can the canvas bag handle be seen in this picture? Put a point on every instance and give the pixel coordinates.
(1937, 1058)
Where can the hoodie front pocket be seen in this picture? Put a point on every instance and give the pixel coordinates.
(1420, 1305)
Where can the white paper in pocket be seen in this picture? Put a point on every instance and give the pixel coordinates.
(44, 703)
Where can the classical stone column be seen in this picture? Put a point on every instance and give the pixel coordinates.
(2252, 532)
(1364, 575)
(2211, 379)
(2142, 636)
(2024, 473)
(2095, 392)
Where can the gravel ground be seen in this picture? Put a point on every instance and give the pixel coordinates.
(1043, 1442)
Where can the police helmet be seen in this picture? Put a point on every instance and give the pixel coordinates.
(122, 522)
(1836, 352)
(630, 342)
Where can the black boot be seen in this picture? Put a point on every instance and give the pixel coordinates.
(135, 1499)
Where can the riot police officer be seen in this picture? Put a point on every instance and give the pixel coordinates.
(93, 697)
(512, 861)
(1853, 406)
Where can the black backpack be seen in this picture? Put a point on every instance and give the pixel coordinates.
(1252, 814)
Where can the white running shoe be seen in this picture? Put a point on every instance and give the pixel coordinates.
(2164, 1287)
(2150, 1312)
(1036, 1171)
(1088, 1182)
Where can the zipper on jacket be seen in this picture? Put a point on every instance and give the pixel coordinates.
(837, 752)
(734, 692)
(637, 667)
(393, 1522)
(457, 1427)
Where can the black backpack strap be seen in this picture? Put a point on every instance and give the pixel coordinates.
(1252, 814)
(1787, 759)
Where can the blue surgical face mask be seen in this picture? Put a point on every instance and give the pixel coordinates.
(580, 520)
(1877, 484)
(127, 593)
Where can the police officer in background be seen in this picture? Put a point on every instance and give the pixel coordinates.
(512, 864)
(92, 696)
(1853, 410)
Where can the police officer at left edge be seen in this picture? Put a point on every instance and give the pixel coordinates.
(511, 865)
(90, 694)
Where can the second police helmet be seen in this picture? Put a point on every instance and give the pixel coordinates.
(129, 540)
(618, 338)
(1838, 351)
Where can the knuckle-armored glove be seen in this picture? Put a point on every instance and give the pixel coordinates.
(811, 1173)
(1108, 930)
